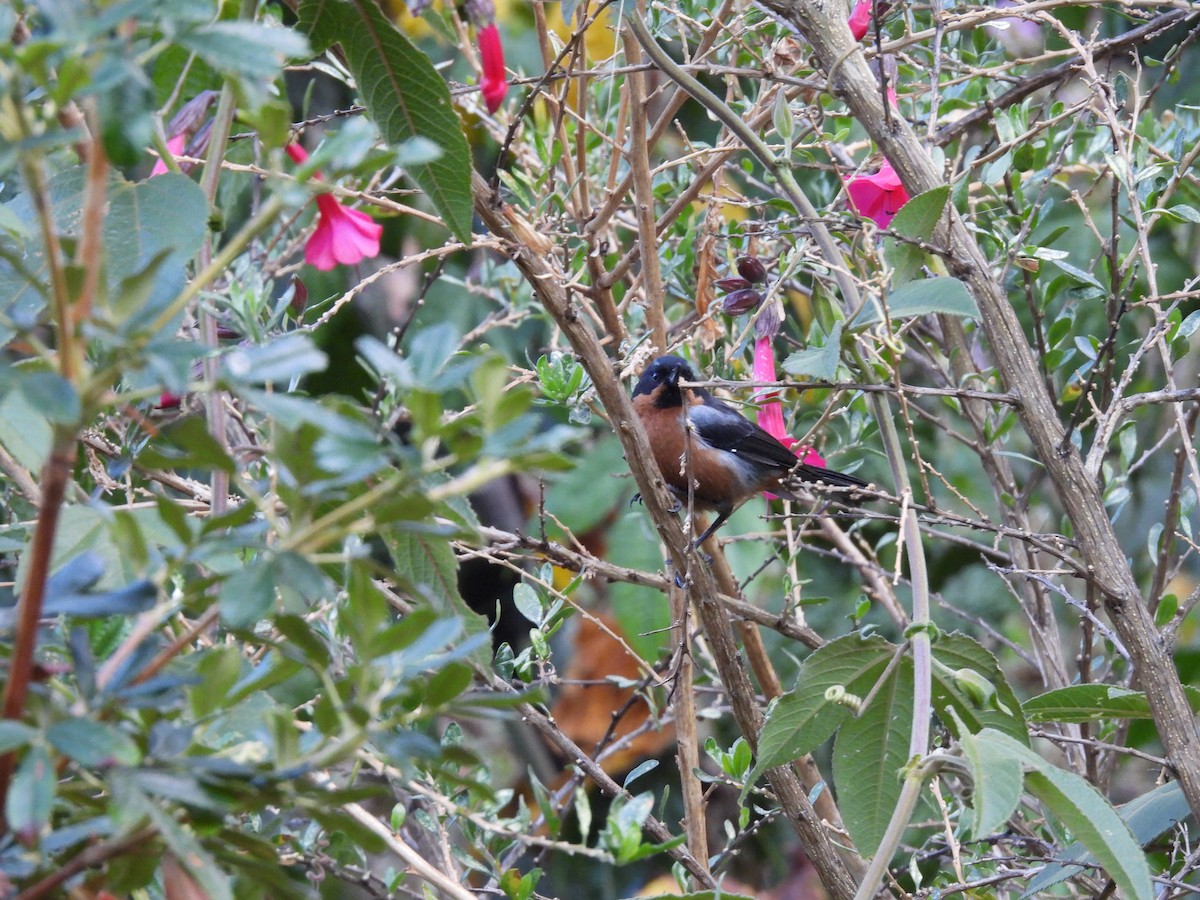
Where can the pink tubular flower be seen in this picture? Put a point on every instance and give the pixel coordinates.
(879, 196)
(860, 19)
(175, 145)
(494, 85)
(344, 235)
(809, 456)
(770, 410)
(860, 16)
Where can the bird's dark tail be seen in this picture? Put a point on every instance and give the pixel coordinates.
(805, 475)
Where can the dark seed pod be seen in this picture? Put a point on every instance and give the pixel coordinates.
(751, 269)
(743, 301)
(732, 283)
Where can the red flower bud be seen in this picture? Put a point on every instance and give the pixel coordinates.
(494, 84)
(732, 283)
(299, 301)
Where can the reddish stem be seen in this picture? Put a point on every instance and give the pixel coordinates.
(29, 609)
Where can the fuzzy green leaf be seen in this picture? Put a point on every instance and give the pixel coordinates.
(1091, 702)
(804, 718)
(868, 755)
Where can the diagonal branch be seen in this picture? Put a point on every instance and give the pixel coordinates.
(852, 81)
(547, 281)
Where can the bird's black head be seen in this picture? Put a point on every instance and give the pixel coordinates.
(661, 380)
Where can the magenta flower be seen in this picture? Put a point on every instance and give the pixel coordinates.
(878, 196)
(175, 145)
(770, 410)
(860, 16)
(860, 19)
(494, 85)
(344, 235)
(808, 455)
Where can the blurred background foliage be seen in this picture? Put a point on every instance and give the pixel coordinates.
(268, 507)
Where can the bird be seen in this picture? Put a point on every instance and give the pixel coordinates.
(730, 459)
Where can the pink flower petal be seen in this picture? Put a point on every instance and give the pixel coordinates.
(860, 19)
(318, 252)
(175, 145)
(860, 16)
(809, 456)
(878, 196)
(343, 235)
(298, 154)
(770, 412)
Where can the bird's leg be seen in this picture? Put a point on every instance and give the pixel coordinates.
(671, 489)
(722, 518)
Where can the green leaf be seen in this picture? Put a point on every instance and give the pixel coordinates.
(191, 854)
(920, 298)
(156, 225)
(31, 794)
(248, 595)
(92, 743)
(804, 718)
(447, 684)
(285, 358)
(427, 563)
(1093, 820)
(958, 651)
(1180, 213)
(245, 48)
(52, 395)
(1090, 702)
(15, 734)
(1167, 607)
(868, 755)
(527, 601)
(997, 778)
(186, 444)
(1079, 274)
(818, 362)
(1147, 816)
(24, 431)
(406, 97)
(917, 220)
(1082, 809)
